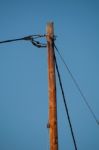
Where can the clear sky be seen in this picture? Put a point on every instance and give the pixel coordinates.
(23, 73)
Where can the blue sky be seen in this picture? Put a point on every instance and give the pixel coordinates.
(23, 73)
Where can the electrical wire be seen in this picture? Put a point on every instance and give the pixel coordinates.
(30, 38)
(77, 86)
(13, 40)
(27, 38)
(65, 103)
(38, 44)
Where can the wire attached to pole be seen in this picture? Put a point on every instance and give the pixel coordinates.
(65, 103)
(30, 38)
(38, 44)
(77, 86)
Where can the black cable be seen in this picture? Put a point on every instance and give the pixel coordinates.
(29, 38)
(1, 42)
(65, 103)
(38, 44)
(77, 86)
(24, 38)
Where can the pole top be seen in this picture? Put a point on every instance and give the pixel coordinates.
(50, 30)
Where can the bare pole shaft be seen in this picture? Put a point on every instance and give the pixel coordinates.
(53, 133)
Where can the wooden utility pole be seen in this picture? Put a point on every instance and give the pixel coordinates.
(52, 124)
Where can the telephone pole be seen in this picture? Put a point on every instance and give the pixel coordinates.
(52, 124)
